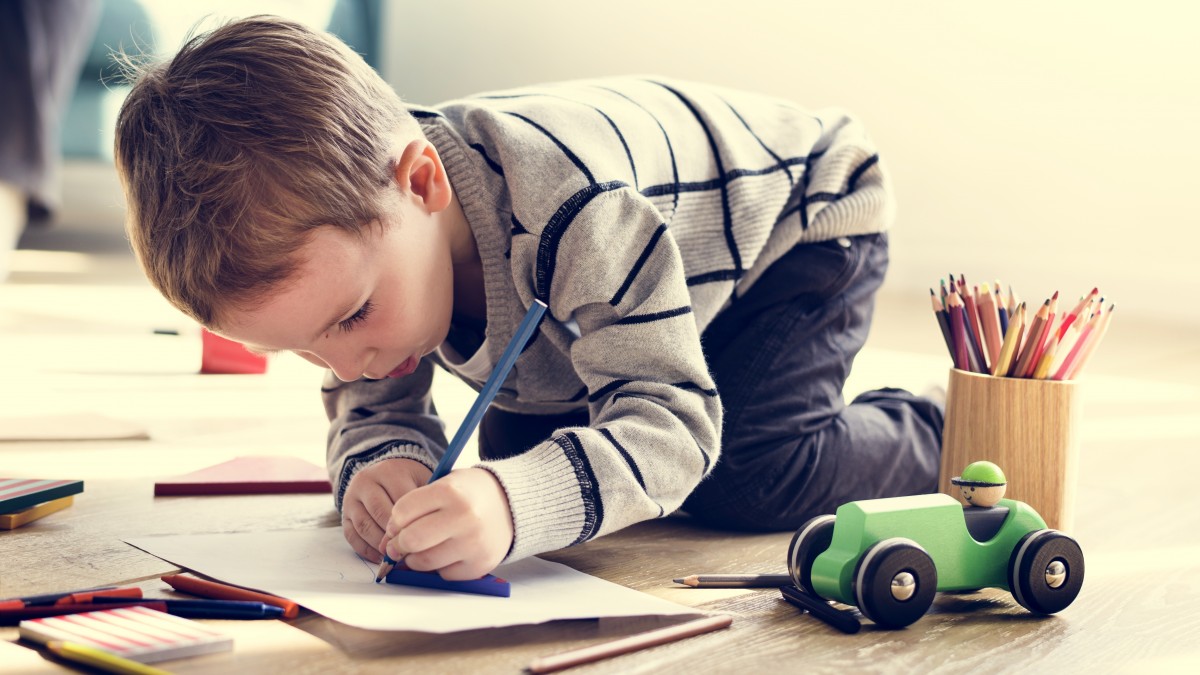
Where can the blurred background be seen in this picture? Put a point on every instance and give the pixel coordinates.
(1049, 145)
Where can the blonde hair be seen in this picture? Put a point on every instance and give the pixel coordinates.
(236, 149)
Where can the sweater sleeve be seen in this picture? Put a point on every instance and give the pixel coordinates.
(375, 420)
(615, 271)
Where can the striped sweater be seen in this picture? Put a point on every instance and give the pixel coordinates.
(636, 209)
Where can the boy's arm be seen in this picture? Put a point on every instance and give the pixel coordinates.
(371, 421)
(616, 271)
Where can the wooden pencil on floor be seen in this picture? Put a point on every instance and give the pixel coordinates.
(575, 657)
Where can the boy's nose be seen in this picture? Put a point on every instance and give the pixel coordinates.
(344, 366)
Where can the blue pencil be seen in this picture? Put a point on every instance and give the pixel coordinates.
(490, 388)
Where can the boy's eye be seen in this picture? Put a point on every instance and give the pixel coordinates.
(358, 317)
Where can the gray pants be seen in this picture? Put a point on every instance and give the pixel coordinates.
(42, 46)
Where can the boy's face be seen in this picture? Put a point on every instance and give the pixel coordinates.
(368, 306)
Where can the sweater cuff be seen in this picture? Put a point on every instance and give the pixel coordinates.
(393, 450)
(545, 497)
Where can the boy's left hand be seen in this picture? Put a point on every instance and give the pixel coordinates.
(460, 525)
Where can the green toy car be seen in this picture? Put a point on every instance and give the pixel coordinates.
(890, 556)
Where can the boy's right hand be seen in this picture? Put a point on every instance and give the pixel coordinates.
(367, 504)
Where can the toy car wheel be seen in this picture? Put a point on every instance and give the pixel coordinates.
(895, 582)
(810, 541)
(1045, 571)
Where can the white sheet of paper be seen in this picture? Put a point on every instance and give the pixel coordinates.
(317, 569)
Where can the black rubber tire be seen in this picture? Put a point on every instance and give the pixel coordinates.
(873, 582)
(810, 541)
(1027, 571)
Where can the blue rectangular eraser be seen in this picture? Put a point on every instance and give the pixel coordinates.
(487, 585)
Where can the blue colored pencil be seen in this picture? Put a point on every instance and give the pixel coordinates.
(490, 388)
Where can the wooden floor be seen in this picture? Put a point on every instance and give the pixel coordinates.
(76, 336)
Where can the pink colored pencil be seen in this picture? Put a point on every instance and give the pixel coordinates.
(1070, 318)
(1092, 342)
(1076, 349)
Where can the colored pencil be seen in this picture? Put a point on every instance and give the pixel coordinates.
(101, 660)
(1076, 349)
(735, 580)
(12, 617)
(975, 343)
(1012, 342)
(516, 345)
(958, 331)
(51, 598)
(575, 657)
(1093, 342)
(1044, 339)
(213, 589)
(210, 609)
(1046, 359)
(939, 312)
(1036, 331)
(989, 322)
(1001, 309)
(132, 592)
(1074, 314)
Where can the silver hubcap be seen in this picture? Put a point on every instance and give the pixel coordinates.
(1056, 573)
(904, 585)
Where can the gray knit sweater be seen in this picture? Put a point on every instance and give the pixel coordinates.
(637, 209)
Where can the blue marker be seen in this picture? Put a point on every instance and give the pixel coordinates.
(519, 339)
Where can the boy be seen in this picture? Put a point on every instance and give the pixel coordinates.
(709, 258)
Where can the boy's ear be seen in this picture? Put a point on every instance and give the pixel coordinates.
(420, 173)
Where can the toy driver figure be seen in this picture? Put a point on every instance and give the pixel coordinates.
(982, 484)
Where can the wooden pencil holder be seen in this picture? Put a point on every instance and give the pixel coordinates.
(1030, 428)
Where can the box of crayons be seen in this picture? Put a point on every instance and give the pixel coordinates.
(988, 331)
(1013, 398)
(24, 500)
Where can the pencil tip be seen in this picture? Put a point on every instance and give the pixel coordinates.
(678, 581)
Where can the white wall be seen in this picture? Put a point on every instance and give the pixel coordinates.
(1049, 144)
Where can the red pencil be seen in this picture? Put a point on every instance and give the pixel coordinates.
(1070, 318)
(958, 331)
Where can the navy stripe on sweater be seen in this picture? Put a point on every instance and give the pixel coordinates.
(478, 147)
(777, 158)
(556, 227)
(593, 504)
(637, 266)
(561, 146)
(670, 149)
(637, 474)
(656, 316)
(726, 214)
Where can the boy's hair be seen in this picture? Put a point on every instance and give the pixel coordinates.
(233, 151)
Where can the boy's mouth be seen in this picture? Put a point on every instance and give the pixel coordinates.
(406, 368)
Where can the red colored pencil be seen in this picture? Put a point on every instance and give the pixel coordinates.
(958, 331)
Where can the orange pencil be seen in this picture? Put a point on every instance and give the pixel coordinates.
(1044, 338)
(1060, 372)
(1036, 331)
(1012, 342)
(1092, 342)
(575, 657)
(218, 591)
(989, 322)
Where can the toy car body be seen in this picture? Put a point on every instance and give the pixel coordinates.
(890, 556)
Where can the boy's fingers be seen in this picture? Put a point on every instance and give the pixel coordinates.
(359, 544)
(441, 556)
(410, 507)
(421, 534)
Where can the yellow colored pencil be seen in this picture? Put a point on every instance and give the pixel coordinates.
(1047, 359)
(1012, 342)
(101, 660)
